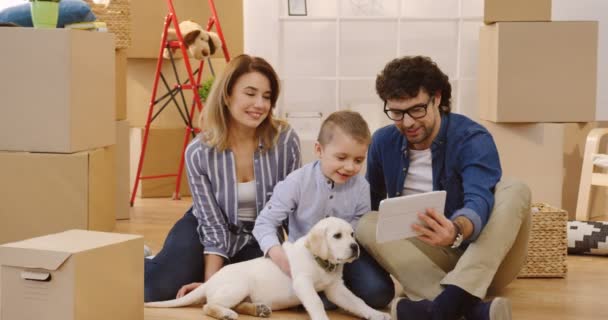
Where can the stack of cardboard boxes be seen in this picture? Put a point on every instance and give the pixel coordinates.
(167, 132)
(58, 132)
(537, 95)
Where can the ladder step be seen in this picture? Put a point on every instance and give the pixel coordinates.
(174, 44)
(187, 86)
(159, 176)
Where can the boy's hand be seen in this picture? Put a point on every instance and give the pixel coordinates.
(440, 231)
(279, 257)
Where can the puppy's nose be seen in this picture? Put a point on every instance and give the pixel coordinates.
(355, 248)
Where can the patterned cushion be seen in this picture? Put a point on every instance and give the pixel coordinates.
(588, 237)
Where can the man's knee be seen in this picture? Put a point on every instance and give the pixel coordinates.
(366, 229)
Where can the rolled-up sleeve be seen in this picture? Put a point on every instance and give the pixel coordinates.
(481, 171)
(212, 229)
(280, 205)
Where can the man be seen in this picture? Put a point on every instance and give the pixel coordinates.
(447, 270)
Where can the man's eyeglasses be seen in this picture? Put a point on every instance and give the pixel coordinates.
(415, 112)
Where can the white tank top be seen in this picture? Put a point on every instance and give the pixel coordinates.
(246, 201)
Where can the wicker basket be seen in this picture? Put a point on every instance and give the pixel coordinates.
(116, 15)
(548, 244)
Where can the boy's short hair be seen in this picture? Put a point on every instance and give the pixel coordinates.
(350, 122)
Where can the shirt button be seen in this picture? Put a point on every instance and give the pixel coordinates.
(326, 216)
(331, 197)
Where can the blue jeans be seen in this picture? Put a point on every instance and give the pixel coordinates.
(181, 261)
(368, 281)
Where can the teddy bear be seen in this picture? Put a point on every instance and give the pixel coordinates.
(200, 42)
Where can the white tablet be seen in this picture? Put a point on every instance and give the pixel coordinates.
(396, 215)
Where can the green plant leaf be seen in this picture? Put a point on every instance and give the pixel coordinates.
(203, 91)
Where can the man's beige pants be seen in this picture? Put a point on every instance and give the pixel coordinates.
(488, 264)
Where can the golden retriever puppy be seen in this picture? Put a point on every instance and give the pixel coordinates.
(258, 286)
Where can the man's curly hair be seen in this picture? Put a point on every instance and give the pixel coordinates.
(402, 78)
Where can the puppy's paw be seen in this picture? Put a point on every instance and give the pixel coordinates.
(219, 312)
(262, 310)
(377, 315)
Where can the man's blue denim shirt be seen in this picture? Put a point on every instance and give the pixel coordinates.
(465, 164)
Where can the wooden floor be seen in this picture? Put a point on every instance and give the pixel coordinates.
(581, 295)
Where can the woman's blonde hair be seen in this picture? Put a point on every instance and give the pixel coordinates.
(215, 118)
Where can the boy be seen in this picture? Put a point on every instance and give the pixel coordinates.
(327, 187)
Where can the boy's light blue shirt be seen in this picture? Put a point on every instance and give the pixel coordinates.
(307, 196)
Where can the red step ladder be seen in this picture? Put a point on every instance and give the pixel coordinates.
(192, 83)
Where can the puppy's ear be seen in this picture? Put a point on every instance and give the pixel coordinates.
(214, 42)
(191, 36)
(316, 242)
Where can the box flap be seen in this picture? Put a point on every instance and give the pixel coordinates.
(71, 242)
(32, 258)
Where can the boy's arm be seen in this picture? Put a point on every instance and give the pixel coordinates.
(282, 202)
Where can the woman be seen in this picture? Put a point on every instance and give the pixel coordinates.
(233, 166)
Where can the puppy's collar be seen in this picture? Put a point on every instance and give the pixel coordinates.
(326, 265)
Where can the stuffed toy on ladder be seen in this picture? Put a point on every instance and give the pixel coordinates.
(181, 41)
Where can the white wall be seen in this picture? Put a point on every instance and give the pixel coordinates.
(316, 55)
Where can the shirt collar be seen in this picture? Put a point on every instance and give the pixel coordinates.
(321, 178)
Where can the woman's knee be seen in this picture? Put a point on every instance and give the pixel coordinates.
(157, 287)
(152, 293)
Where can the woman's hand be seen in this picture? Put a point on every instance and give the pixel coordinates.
(279, 257)
(187, 288)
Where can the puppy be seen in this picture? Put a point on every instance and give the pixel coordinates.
(201, 43)
(256, 287)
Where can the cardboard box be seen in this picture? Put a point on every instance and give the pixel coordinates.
(163, 154)
(516, 10)
(140, 81)
(59, 96)
(147, 19)
(538, 71)
(121, 84)
(122, 170)
(548, 157)
(43, 193)
(73, 275)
